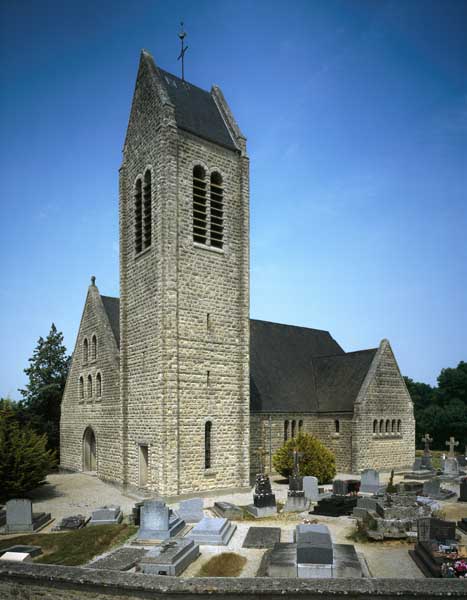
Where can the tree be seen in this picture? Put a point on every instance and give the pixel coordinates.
(317, 460)
(422, 394)
(25, 460)
(452, 384)
(47, 373)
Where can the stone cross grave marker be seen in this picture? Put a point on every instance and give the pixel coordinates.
(295, 481)
(262, 453)
(427, 440)
(452, 444)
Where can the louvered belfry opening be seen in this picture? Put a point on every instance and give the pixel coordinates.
(217, 211)
(199, 206)
(147, 212)
(138, 216)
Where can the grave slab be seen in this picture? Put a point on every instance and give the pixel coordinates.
(227, 510)
(346, 562)
(262, 537)
(282, 561)
(31, 551)
(314, 545)
(123, 559)
(213, 532)
(71, 523)
(170, 558)
(260, 512)
(106, 515)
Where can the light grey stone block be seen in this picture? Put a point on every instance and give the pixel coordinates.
(170, 558)
(215, 532)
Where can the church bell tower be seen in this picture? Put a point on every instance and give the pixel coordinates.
(184, 284)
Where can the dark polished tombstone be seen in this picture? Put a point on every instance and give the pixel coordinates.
(314, 544)
(463, 490)
(262, 537)
(263, 496)
(335, 506)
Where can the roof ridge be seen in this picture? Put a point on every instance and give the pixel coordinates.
(110, 297)
(345, 353)
(289, 325)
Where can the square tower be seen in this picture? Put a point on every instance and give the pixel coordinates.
(184, 283)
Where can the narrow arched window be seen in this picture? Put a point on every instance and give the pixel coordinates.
(217, 211)
(388, 426)
(89, 386)
(98, 385)
(94, 348)
(300, 426)
(81, 388)
(85, 350)
(399, 423)
(199, 205)
(147, 210)
(375, 426)
(381, 426)
(286, 431)
(207, 444)
(337, 425)
(393, 426)
(292, 433)
(138, 215)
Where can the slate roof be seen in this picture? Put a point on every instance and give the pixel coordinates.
(297, 369)
(112, 308)
(196, 110)
(292, 369)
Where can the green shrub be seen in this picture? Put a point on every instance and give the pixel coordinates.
(25, 460)
(317, 460)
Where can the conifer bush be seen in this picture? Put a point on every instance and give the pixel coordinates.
(24, 458)
(317, 460)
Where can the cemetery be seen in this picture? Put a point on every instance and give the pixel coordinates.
(354, 528)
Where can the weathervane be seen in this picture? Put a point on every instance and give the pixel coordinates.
(182, 36)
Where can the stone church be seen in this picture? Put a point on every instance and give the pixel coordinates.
(173, 387)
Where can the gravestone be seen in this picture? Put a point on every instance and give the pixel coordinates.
(296, 500)
(262, 537)
(451, 467)
(264, 501)
(431, 528)
(426, 458)
(417, 465)
(431, 487)
(158, 522)
(122, 559)
(214, 532)
(106, 515)
(20, 553)
(20, 518)
(136, 513)
(191, 511)
(370, 481)
(335, 506)
(227, 510)
(310, 487)
(463, 490)
(452, 443)
(339, 487)
(363, 506)
(71, 523)
(314, 551)
(282, 561)
(172, 557)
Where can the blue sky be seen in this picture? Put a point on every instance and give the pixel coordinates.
(356, 118)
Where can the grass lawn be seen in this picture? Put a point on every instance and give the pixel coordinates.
(73, 547)
(227, 564)
(436, 457)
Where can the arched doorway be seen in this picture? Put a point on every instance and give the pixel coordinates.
(89, 450)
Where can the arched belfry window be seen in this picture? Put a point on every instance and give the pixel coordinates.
(399, 424)
(300, 427)
(147, 210)
(199, 206)
(81, 388)
(138, 215)
(286, 431)
(217, 211)
(381, 426)
(85, 350)
(89, 386)
(337, 425)
(294, 424)
(388, 426)
(375, 426)
(98, 385)
(207, 444)
(94, 348)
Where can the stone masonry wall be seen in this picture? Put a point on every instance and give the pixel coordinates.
(166, 293)
(384, 397)
(321, 426)
(103, 413)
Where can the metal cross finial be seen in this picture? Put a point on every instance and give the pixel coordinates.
(182, 36)
(452, 444)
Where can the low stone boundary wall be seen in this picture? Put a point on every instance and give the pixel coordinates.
(51, 582)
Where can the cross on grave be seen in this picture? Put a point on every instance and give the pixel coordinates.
(427, 440)
(452, 444)
(296, 462)
(262, 453)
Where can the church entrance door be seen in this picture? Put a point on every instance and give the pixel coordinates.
(89, 450)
